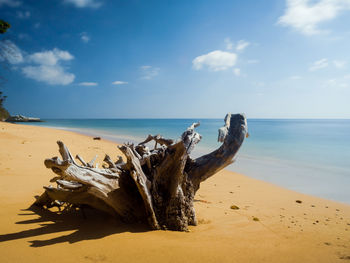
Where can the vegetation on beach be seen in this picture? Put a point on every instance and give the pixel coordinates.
(4, 114)
(4, 26)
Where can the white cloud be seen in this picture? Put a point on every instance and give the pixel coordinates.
(146, 67)
(23, 15)
(50, 57)
(49, 69)
(337, 83)
(149, 72)
(85, 37)
(84, 3)
(319, 64)
(237, 71)
(10, 53)
(48, 66)
(323, 63)
(118, 82)
(339, 63)
(241, 45)
(306, 15)
(88, 84)
(229, 44)
(216, 60)
(53, 75)
(10, 3)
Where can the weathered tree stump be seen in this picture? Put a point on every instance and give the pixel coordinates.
(156, 185)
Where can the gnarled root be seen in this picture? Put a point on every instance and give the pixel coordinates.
(155, 185)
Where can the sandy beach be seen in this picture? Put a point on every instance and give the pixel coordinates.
(269, 226)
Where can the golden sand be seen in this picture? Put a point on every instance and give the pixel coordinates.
(240, 219)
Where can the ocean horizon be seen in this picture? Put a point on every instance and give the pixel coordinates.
(310, 156)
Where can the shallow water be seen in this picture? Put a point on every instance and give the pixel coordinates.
(309, 156)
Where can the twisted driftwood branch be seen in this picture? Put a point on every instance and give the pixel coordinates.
(155, 185)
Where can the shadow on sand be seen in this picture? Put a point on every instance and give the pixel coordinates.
(89, 225)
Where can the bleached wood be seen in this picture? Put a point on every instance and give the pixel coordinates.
(81, 160)
(156, 185)
(91, 163)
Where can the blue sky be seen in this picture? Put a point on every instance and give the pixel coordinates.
(177, 59)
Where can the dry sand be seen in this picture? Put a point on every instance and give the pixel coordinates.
(315, 230)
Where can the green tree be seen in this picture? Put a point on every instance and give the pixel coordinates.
(4, 114)
(4, 26)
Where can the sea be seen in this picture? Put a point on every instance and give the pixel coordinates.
(311, 156)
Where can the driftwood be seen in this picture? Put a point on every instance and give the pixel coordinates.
(156, 185)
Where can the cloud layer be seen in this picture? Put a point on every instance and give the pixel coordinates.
(10, 53)
(46, 67)
(306, 15)
(149, 72)
(216, 60)
(85, 37)
(53, 75)
(49, 68)
(118, 82)
(319, 64)
(88, 84)
(241, 45)
(50, 57)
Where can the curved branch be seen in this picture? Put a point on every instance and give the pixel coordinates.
(207, 165)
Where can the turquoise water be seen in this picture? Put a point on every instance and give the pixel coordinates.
(309, 156)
